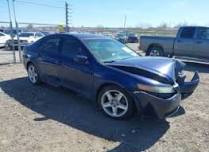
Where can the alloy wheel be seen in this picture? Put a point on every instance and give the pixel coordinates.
(32, 74)
(114, 103)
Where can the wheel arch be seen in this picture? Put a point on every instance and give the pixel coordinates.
(102, 86)
(155, 45)
(31, 62)
(28, 63)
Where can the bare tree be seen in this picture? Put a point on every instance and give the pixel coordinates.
(29, 27)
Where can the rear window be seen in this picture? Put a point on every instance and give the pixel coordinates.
(203, 33)
(188, 32)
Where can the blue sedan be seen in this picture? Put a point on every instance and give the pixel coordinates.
(104, 70)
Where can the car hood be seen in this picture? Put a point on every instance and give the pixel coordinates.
(164, 67)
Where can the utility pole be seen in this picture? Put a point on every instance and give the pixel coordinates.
(125, 19)
(17, 31)
(66, 16)
(11, 31)
(124, 25)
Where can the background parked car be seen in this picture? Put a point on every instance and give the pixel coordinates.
(132, 38)
(3, 39)
(127, 37)
(25, 39)
(121, 37)
(12, 32)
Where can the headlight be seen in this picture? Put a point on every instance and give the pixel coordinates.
(156, 89)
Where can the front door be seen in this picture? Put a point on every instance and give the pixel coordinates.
(75, 74)
(202, 43)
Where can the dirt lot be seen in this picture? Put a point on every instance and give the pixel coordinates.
(46, 119)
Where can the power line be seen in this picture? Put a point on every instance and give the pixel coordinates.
(26, 23)
(55, 2)
(4, 22)
(39, 4)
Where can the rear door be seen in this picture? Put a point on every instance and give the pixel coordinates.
(185, 42)
(49, 58)
(74, 74)
(202, 43)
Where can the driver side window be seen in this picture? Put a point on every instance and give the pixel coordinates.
(72, 47)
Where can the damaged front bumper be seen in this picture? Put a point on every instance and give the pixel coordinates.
(165, 107)
(161, 107)
(187, 88)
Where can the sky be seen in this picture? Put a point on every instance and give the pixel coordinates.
(111, 13)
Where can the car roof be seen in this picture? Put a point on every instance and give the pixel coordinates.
(88, 36)
(84, 36)
(194, 27)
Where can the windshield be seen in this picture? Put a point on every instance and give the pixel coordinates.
(108, 50)
(26, 34)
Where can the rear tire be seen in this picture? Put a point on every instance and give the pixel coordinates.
(33, 74)
(155, 51)
(116, 102)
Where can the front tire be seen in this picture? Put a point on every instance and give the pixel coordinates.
(33, 75)
(116, 102)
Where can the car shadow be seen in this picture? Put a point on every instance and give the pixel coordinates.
(68, 108)
(201, 68)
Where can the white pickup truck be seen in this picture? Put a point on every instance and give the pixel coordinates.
(25, 39)
(3, 39)
(190, 44)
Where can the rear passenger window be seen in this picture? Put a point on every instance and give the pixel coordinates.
(72, 47)
(187, 33)
(50, 45)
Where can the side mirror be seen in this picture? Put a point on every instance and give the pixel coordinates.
(81, 59)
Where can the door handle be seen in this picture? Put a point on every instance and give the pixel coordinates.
(199, 42)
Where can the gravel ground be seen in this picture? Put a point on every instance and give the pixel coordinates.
(47, 119)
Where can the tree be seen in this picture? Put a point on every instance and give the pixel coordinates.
(61, 28)
(163, 26)
(29, 27)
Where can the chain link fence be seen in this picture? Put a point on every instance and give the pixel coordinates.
(6, 56)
